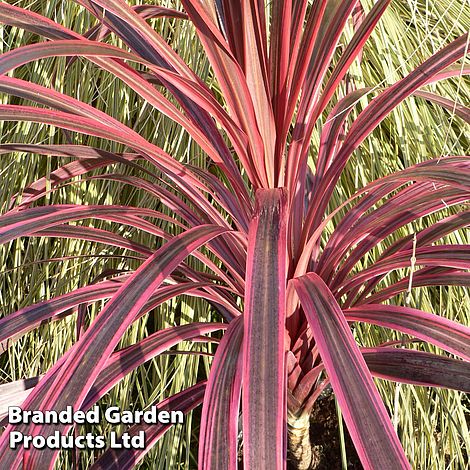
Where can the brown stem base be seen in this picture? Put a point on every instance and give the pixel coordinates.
(314, 442)
(301, 454)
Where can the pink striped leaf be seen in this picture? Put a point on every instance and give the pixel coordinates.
(30, 21)
(409, 204)
(71, 151)
(455, 171)
(333, 127)
(27, 53)
(264, 376)
(219, 422)
(165, 196)
(38, 189)
(127, 459)
(442, 332)
(230, 17)
(58, 214)
(100, 31)
(333, 20)
(125, 360)
(421, 278)
(28, 221)
(88, 159)
(304, 42)
(257, 79)
(400, 212)
(63, 102)
(129, 76)
(95, 235)
(19, 323)
(439, 229)
(149, 45)
(425, 237)
(308, 384)
(109, 377)
(418, 368)
(43, 26)
(452, 256)
(119, 364)
(363, 410)
(233, 84)
(122, 19)
(279, 63)
(47, 97)
(454, 71)
(459, 110)
(86, 358)
(394, 95)
(183, 178)
(353, 50)
(381, 106)
(226, 199)
(328, 142)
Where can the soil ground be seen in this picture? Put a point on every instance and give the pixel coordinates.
(324, 436)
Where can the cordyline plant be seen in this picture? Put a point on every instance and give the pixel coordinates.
(288, 294)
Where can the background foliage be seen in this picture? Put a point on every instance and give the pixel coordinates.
(432, 423)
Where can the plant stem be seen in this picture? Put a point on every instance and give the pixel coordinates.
(301, 453)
